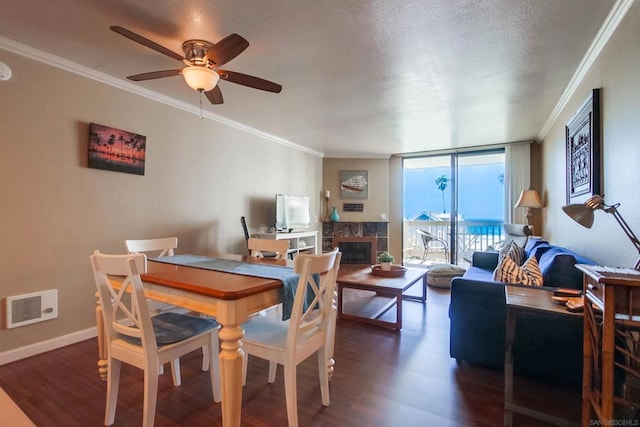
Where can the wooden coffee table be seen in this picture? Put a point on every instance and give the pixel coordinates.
(391, 287)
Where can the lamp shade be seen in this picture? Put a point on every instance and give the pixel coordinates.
(529, 199)
(580, 213)
(583, 215)
(200, 78)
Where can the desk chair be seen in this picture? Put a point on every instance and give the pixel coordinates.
(428, 239)
(243, 221)
(308, 331)
(146, 342)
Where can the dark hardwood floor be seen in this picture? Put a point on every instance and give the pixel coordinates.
(382, 378)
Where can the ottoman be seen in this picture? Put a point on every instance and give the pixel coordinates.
(440, 275)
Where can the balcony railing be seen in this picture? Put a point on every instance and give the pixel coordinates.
(472, 236)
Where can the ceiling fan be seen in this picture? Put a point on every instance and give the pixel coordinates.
(202, 59)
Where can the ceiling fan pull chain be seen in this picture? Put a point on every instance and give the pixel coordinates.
(201, 116)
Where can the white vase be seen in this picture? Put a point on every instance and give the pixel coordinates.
(385, 266)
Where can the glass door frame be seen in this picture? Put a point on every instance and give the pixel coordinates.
(454, 168)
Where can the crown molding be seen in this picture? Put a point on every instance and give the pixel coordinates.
(610, 25)
(81, 70)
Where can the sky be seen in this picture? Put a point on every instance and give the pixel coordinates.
(481, 192)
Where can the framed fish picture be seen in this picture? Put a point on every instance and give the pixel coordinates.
(354, 184)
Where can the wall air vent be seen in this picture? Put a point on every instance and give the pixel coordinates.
(31, 308)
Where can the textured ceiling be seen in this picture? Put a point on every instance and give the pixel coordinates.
(360, 78)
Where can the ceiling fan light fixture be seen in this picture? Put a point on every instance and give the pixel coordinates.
(200, 78)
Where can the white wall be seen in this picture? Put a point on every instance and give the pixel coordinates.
(200, 177)
(616, 71)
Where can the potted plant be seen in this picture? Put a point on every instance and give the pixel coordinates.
(385, 259)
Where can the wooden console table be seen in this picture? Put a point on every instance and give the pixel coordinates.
(530, 299)
(611, 327)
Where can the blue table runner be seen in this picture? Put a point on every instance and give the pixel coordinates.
(286, 275)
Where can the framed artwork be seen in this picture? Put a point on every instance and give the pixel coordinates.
(354, 184)
(116, 150)
(583, 151)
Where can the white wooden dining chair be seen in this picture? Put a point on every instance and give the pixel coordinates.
(163, 246)
(290, 342)
(268, 247)
(146, 342)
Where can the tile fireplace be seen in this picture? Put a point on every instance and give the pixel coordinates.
(359, 242)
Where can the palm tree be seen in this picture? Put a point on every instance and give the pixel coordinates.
(441, 184)
(111, 142)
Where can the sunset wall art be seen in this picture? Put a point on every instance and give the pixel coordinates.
(116, 150)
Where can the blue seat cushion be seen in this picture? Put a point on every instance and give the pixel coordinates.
(170, 328)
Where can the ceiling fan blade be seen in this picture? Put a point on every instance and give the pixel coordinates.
(250, 81)
(154, 75)
(227, 49)
(146, 42)
(215, 95)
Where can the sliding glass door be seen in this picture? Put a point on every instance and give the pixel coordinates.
(453, 206)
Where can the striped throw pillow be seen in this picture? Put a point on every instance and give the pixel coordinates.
(513, 251)
(509, 272)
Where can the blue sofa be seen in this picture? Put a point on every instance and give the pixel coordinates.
(546, 348)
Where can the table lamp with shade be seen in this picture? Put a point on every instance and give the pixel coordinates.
(531, 200)
(582, 213)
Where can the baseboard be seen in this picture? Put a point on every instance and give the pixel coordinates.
(48, 345)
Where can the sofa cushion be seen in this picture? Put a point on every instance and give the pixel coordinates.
(528, 274)
(535, 246)
(478, 274)
(558, 267)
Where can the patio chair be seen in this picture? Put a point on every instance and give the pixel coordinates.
(428, 239)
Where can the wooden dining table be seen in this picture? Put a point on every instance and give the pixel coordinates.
(230, 298)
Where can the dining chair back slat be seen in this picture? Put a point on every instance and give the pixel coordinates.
(162, 247)
(271, 248)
